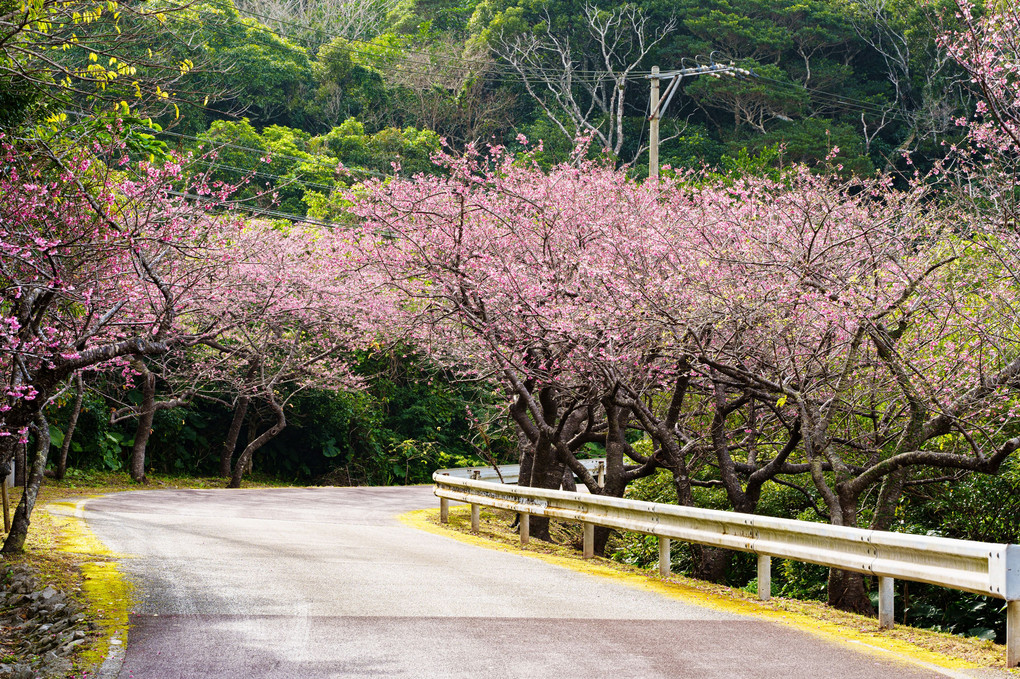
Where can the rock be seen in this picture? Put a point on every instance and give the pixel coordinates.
(22, 672)
(70, 646)
(47, 626)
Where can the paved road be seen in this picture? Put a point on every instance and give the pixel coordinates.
(307, 583)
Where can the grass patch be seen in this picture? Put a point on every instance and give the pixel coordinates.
(924, 646)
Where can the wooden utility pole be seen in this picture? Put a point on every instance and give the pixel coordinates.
(657, 104)
(653, 129)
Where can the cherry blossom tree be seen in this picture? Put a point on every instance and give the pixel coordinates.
(502, 269)
(100, 262)
(300, 302)
(770, 329)
(856, 313)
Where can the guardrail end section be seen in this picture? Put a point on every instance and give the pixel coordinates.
(1004, 572)
(1013, 572)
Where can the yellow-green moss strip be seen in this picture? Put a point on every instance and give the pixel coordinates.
(723, 599)
(107, 593)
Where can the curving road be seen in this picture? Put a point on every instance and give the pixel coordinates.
(325, 582)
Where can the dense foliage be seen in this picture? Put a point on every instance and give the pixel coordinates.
(356, 242)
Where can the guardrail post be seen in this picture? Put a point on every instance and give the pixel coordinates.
(664, 557)
(588, 550)
(444, 510)
(525, 521)
(1013, 634)
(764, 577)
(474, 518)
(601, 474)
(885, 602)
(476, 475)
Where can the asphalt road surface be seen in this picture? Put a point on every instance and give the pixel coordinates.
(307, 583)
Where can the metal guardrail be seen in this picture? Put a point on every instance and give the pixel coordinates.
(508, 473)
(979, 567)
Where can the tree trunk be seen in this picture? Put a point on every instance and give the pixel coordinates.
(846, 589)
(547, 473)
(847, 592)
(711, 563)
(527, 458)
(230, 443)
(144, 427)
(20, 465)
(568, 482)
(888, 497)
(244, 460)
(15, 541)
(72, 424)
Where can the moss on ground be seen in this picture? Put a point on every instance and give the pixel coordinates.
(920, 646)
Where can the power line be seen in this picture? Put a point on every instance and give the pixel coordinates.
(832, 98)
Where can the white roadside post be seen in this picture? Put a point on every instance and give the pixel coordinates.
(886, 608)
(588, 549)
(764, 577)
(664, 564)
(525, 521)
(444, 507)
(1013, 633)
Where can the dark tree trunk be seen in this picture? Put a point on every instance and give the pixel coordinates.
(527, 458)
(20, 465)
(847, 592)
(15, 541)
(711, 563)
(230, 443)
(601, 538)
(568, 482)
(888, 497)
(244, 460)
(547, 473)
(144, 427)
(72, 424)
(253, 432)
(846, 589)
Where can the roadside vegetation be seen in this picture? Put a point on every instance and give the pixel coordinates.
(356, 242)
